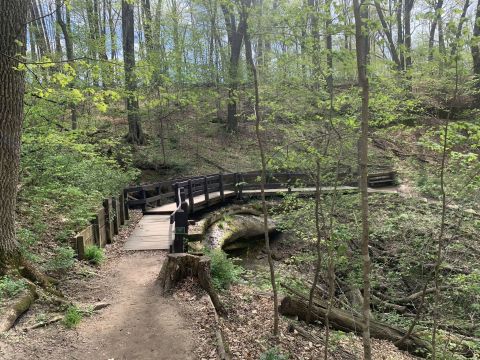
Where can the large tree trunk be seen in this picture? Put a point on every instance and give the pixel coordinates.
(235, 41)
(135, 132)
(361, 16)
(66, 30)
(437, 18)
(13, 18)
(475, 47)
(408, 32)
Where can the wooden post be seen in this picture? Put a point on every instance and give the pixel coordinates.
(80, 244)
(121, 210)
(235, 185)
(126, 216)
(116, 215)
(182, 196)
(96, 231)
(191, 200)
(222, 193)
(205, 189)
(144, 197)
(108, 221)
(181, 228)
(158, 191)
(175, 191)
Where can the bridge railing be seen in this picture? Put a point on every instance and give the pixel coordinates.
(216, 186)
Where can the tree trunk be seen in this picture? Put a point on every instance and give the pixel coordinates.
(458, 33)
(66, 30)
(475, 47)
(235, 41)
(135, 132)
(13, 18)
(258, 119)
(437, 18)
(408, 32)
(388, 35)
(400, 39)
(361, 16)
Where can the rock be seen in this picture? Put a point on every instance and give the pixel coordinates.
(236, 232)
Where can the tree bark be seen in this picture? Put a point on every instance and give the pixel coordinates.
(361, 16)
(408, 32)
(258, 119)
(180, 266)
(388, 35)
(135, 132)
(66, 30)
(345, 321)
(475, 47)
(13, 18)
(235, 40)
(458, 33)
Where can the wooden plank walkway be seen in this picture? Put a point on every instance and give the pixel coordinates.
(154, 232)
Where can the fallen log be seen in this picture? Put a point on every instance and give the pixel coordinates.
(182, 265)
(16, 308)
(342, 320)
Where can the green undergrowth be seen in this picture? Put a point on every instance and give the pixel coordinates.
(65, 175)
(403, 242)
(10, 287)
(72, 317)
(94, 255)
(223, 269)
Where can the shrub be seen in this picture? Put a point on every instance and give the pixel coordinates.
(94, 254)
(72, 317)
(273, 354)
(63, 259)
(224, 271)
(10, 287)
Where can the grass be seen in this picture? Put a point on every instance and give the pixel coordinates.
(94, 254)
(72, 317)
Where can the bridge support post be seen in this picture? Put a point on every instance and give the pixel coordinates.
(126, 215)
(181, 229)
(191, 200)
(175, 191)
(158, 191)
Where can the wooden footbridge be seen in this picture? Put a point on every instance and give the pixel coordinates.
(167, 205)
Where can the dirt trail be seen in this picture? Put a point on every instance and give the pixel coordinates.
(139, 323)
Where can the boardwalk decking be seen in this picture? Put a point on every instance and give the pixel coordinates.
(154, 232)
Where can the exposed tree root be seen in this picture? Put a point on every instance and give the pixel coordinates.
(19, 305)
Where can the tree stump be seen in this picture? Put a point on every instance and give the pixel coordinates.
(179, 266)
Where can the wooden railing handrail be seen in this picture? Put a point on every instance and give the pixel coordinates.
(204, 185)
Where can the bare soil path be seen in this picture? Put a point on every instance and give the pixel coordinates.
(139, 323)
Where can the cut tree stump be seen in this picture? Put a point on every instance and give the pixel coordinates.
(179, 266)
